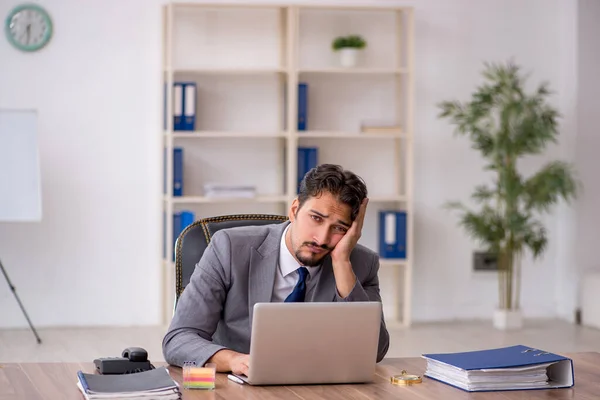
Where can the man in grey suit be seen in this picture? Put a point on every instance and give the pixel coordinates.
(312, 257)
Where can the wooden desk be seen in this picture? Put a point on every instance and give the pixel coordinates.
(54, 381)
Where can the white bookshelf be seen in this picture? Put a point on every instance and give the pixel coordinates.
(247, 61)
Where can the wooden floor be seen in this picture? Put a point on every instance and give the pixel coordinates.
(85, 344)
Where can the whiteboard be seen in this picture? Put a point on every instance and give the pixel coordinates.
(20, 188)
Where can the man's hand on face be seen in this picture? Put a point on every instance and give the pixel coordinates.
(239, 364)
(341, 252)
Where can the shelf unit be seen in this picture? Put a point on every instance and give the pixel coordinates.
(247, 61)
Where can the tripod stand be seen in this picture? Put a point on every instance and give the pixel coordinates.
(12, 288)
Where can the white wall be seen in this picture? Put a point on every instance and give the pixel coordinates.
(587, 217)
(92, 260)
(98, 93)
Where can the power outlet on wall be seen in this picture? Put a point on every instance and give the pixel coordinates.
(483, 261)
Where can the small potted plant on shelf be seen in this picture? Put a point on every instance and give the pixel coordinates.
(505, 124)
(348, 48)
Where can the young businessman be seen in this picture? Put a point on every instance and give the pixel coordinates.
(312, 257)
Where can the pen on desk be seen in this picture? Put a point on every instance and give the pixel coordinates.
(235, 379)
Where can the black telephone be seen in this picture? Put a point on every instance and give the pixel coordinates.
(132, 360)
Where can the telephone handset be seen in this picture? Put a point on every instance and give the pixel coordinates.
(132, 360)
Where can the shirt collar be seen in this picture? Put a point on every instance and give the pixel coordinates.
(287, 262)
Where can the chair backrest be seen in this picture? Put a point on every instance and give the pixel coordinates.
(194, 239)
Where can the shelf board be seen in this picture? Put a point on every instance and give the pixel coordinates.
(349, 135)
(215, 200)
(354, 70)
(344, 7)
(227, 71)
(223, 134)
(217, 4)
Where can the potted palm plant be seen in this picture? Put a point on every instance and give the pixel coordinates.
(348, 48)
(505, 124)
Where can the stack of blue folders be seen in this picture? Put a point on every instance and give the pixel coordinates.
(508, 368)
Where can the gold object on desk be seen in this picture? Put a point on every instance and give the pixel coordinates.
(405, 379)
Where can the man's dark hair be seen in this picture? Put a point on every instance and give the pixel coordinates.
(348, 187)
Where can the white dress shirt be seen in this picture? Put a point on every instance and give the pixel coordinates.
(287, 275)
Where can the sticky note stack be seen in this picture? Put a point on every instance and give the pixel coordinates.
(199, 377)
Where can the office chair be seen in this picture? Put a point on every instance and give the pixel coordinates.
(194, 239)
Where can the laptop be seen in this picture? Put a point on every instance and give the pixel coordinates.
(313, 343)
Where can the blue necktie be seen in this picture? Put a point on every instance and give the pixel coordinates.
(299, 291)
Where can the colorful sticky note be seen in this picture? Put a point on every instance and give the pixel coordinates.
(199, 377)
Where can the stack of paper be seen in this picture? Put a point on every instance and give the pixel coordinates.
(508, 368)
(224, 191)
(148, 385)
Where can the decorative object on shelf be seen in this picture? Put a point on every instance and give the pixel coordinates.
(28, 27)
(505, 123)
(348, 48)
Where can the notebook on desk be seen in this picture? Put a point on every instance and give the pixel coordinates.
(508, 368)
(152, 384)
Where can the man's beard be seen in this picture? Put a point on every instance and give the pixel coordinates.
(314, 259)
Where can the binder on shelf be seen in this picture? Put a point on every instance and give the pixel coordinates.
(176, 230)
(177, 172)
(507, 368)
(184, 106)
(189, 107)
(177, 106)
(284, 126)
(392, 234)
(302, 106)
(307, 159)
(165, 107)
(181, 220)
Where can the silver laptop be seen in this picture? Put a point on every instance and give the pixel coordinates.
(313, 343)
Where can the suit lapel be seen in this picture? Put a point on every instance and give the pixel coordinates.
(325, 290)
(263, 267)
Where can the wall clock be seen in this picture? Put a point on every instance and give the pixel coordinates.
(28, 27)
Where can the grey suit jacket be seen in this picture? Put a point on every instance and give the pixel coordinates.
(236, 271)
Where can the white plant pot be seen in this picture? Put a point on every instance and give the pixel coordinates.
(348, 57)
(508, 319)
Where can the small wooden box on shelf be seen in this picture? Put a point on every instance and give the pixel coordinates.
(247, 63)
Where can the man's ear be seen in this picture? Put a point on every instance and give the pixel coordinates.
(293, 209)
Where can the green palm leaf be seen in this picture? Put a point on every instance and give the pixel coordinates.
(553, 182)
